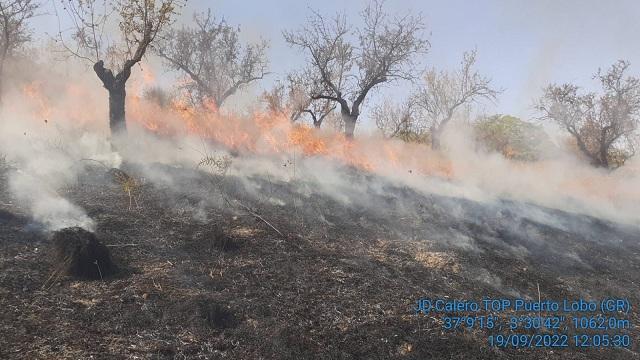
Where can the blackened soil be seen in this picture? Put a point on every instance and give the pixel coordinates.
(255, 268)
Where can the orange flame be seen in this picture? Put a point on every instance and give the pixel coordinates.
(261, 132)
(34, 92)
(273, 134)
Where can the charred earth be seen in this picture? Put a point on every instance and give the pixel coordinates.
(254, 267)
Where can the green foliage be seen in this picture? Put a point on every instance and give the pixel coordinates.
(512, 137)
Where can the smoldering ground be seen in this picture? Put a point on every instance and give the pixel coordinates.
(51, 137)
(349, 265)
(315, 225)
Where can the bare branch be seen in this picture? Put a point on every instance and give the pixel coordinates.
(139, 22)
(14, 15)
(346, 65)
(443, 93)
(399, 121)
(212, 55)
(603, 126)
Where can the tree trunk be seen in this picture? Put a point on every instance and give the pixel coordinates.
(1, 80)
(604, 156)
(349, 125)
(436, 133)
(116, 86)
(117, 120)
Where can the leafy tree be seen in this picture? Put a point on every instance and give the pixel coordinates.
(512, 137)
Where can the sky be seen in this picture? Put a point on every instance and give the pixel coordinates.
(522, 45)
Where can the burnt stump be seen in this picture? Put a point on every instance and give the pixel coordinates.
(78, 253)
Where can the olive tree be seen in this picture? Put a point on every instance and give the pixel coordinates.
(346, 65)
(14, 32)
(139, 23)
(443, 93)
(214, 58)
(603, 126)
(512, 137)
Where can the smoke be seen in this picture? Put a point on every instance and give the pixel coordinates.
(562, 181)
(47, 207)
(48, 127)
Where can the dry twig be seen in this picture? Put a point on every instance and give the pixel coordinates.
(256, 215)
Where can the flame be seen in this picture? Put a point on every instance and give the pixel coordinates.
(260, 132)
(270, 133)
(44, 106)
(40, 102)
(265, 133)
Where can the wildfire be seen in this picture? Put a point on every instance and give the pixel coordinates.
(34, 92)
(261, 132)
(77, 103)
(274, 135)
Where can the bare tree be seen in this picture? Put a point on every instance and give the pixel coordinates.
(213, 57)
(294, 100)
(443, 93)
(316, 110)
(278, 101)
(14, 15)
(603, 126)
(399, 121)
(139, 23)
(347, 66)
(287, 98)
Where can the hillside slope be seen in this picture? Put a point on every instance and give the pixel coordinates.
(249, 268)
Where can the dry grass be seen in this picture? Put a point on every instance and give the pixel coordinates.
(333, 292)
(215, 164)
(438, 260)
(130, 186)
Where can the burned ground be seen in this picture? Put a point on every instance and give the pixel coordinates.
(250, 268)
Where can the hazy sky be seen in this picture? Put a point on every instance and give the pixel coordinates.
(522, 45)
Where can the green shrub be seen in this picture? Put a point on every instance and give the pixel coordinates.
(512, 137)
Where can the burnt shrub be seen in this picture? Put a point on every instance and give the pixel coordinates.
(215, 315)
(78, 253)
(210, 238)
(200, 312)
(221, 240)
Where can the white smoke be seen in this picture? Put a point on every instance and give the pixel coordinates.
(48, 155)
